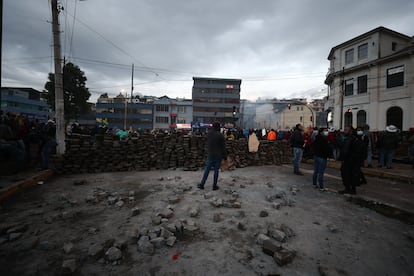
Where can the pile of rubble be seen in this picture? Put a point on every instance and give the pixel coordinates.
(86, 154)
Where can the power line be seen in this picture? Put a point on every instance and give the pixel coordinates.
(73, 30)
(112, 43)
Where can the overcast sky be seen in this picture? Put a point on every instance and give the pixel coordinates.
(278, 48)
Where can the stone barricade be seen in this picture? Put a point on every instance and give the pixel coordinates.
(86, 154)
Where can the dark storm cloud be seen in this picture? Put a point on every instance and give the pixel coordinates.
(286, 41)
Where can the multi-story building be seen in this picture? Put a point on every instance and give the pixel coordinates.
(371, 81)
(25, 101)
(216, 99)
(122, 113)
(284, 114)
(172, 113)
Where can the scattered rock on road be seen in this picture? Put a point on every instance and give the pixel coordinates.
(69, 266)
(113, 254)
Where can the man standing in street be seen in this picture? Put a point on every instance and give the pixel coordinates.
(321, 152)
(348, 167)
(297, 143)
(370, 139)
(216, 147)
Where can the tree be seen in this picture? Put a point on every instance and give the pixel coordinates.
(104, 95)
(76, 94)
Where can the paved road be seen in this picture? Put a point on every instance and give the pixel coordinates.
(383, 190)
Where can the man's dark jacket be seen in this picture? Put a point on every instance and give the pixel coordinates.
(296, 140)
(216, 145)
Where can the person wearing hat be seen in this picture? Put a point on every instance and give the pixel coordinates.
(216, 148)
(390, 141)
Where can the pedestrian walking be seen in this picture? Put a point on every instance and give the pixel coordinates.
(321, 150)
(297, 143)
(216, 148)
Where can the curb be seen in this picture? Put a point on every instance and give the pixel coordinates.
(25, 184)
(374, 173)
(385, 209)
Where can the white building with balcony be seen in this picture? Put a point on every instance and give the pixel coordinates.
(371, 81)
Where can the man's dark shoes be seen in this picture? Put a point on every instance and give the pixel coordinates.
(215, 188)
(201, 187)
(298, 173)
(346, 191)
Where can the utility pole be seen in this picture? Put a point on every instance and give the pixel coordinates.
(1, 44)
(132, 82)
(59, 100)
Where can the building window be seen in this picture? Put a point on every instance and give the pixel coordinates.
(181, 121)
(394, 46)
(300, 118)
(361, 118)
(162, 107)
(181, 109)
(395, 116)
(297, 108)
(363, 51)
(349, 87)
(395, 76)
(362, 84)
(349, 56)
(301, 108)
(161, 120)
(348, 119)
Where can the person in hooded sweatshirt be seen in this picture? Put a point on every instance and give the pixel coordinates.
(216, 148)
(321, 152)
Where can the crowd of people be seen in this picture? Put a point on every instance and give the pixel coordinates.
(24, 141)
(354, 148)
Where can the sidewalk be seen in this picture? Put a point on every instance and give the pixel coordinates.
(13, 184)
(389, 192)
(399, 172)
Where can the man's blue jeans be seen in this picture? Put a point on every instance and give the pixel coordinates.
(319, 167)
(210, 163)
(389, 155)
(45, 154)
(297, 156)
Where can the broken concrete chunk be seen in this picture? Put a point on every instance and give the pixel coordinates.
(113, 254)
(68, 247)
(269, 247)
(332, 228)
(145, 246)
(69, 266)
(156, 220)
(95, 251)
(287, 230)
(158, 242)
(208, 195)
(18, 229)
(261, 238)
(171, 241)
(173, 199)
(15, 236)
(166, 213)
(284, 256)
(276, 234)
(135, 211)
(131, 193)
(80, 182)
(112, 200)
(194, 211)
(330, 271)
(217, 217)
(216, 202)
(236, 204)
(241, 226)
(166, 233)
(276, 205)
(119, 204)
(263, 213)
